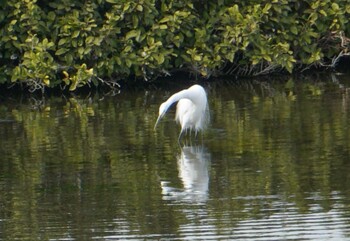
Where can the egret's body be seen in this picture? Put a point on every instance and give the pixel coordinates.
(192, 110)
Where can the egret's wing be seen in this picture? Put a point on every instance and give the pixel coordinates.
(184, 110)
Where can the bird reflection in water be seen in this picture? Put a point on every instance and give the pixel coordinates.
(193, 165)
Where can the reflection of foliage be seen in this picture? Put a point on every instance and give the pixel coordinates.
(81, 162)
(284, 143)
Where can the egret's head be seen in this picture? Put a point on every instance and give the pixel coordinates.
(162, 110)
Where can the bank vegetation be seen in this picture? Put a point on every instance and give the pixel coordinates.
(69, 44)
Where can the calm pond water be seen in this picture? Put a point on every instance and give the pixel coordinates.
(273, 165)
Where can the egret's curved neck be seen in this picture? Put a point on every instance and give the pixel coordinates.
(184, 94)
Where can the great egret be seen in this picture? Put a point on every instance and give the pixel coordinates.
(192, 111)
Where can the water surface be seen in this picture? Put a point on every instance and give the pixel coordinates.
(273, 165)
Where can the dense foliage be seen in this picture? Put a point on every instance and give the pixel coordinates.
(76, 43)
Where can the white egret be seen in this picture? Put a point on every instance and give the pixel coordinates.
(192, 111)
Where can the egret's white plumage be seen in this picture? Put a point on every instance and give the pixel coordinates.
(192, 110)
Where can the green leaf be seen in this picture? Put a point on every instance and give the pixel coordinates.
(62, 41)
(132, 34)
(74, 84)
(139, 8)
(51, 15)
(197, 57)
(61, 51)
(128, 63)
(89, 39)
(267, 58)
(294, 30)
(323, 12)
(126, 6)
(81, 51)
(166, 19)
(150, 41)
(135, 21)
(266, 8)
(127, 48)
(159, 58)
(75, 33)
(335, 7)
(113, 1)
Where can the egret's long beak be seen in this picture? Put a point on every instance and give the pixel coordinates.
(159, 117)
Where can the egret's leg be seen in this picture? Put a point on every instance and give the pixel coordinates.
(195, 139)
(195, 134)
(190, 137)
(180, 136)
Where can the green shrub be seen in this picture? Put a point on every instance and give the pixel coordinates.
(76, 43)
